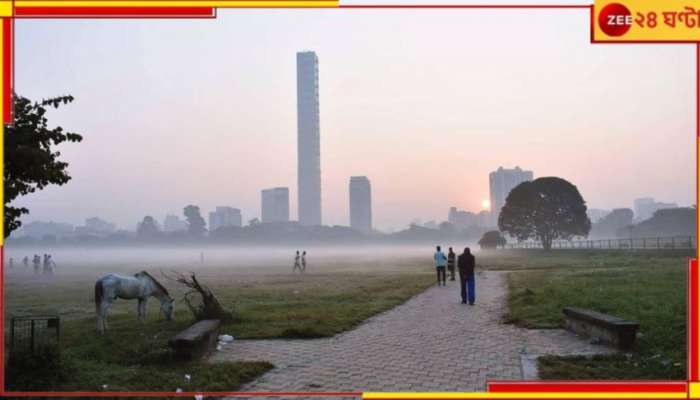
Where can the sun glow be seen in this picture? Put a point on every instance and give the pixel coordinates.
(485, 204)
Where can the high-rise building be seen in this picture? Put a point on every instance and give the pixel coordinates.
(308, 139)
(501, 182)
(360, 204)
(275, 205)
(224, 217)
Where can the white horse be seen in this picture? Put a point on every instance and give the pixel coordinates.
(140, 286)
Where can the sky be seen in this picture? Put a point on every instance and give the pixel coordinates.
(424, 102)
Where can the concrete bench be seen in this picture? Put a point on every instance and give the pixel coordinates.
(196, 341)
(609, 329)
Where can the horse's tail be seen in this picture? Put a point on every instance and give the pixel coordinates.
(99, 293)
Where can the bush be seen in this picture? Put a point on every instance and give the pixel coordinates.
(492, 240)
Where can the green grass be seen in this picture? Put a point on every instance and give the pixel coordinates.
(267, 304)
(647, 288)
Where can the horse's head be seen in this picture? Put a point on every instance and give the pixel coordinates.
(166, 307)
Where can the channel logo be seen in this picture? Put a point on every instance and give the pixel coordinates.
(615, 19)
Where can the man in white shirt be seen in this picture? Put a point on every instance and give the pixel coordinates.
(440, 261)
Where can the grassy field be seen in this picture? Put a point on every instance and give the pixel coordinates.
(267, 300)
(646, 287)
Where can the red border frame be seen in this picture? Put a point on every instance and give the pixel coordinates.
(662, 387)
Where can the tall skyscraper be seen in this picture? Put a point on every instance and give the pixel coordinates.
(501, 182)
(224, 217)
(275, 205)
(360, 204)
(308, 139)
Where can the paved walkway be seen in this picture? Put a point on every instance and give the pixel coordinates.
(430, 343)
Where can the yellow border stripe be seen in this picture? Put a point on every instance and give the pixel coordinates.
(165, 3)
(528, 395)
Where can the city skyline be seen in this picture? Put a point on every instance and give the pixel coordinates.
(415, 125)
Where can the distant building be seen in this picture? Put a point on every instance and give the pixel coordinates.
(275, 205)
(462, 219)
(308, 140)
(485, 219)
(96, 227)
(224, 217)
(173, 223)
(39, 229)
(360, 204)
(595, 214)
(645, 207)
(501, 182)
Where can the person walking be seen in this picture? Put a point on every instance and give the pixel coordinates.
(440, 260)
(297, 265)
(451, 263)
(303, 261)
(37, 263)
(466, 263)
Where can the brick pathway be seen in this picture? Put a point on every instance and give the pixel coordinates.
(430, 343)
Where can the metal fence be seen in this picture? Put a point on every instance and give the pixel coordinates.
(653, 243)
(33, 333)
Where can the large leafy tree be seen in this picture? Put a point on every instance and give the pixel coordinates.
(545, 209)
(32, 161)
(148, 227)
(195, 223)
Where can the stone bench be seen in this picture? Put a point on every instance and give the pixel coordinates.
(196, 341)
(609, 329)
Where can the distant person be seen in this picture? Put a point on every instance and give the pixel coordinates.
(451, 263)
(12, 263)
(47, 266)
(465, 263)
(303, 261)
(297, 264)
(440, 260)
(25, 261)
(37, 263)
(51, 264)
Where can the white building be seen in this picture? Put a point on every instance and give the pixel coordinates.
(501, 182)
(308, 139)
(275, 205)
(224, 217)
(360, 204)
(173, 223)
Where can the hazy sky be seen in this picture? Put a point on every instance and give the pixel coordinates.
(424, 102)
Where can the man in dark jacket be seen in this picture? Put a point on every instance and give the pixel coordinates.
(465, 263)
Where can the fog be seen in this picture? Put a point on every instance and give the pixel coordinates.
(262, 259)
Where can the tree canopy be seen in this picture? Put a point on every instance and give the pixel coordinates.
(195, 223)
(32, 161)
(545, 209)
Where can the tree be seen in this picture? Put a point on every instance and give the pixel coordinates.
(491, 240)
(148, 227)
(31, 159)
(545, 209)
(195, 223)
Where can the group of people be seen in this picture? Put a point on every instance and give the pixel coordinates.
(465, 264)
(300, 262)
(49, 266)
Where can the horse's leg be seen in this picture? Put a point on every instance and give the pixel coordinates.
(107, 304)
(100, 324)
(142, 310)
